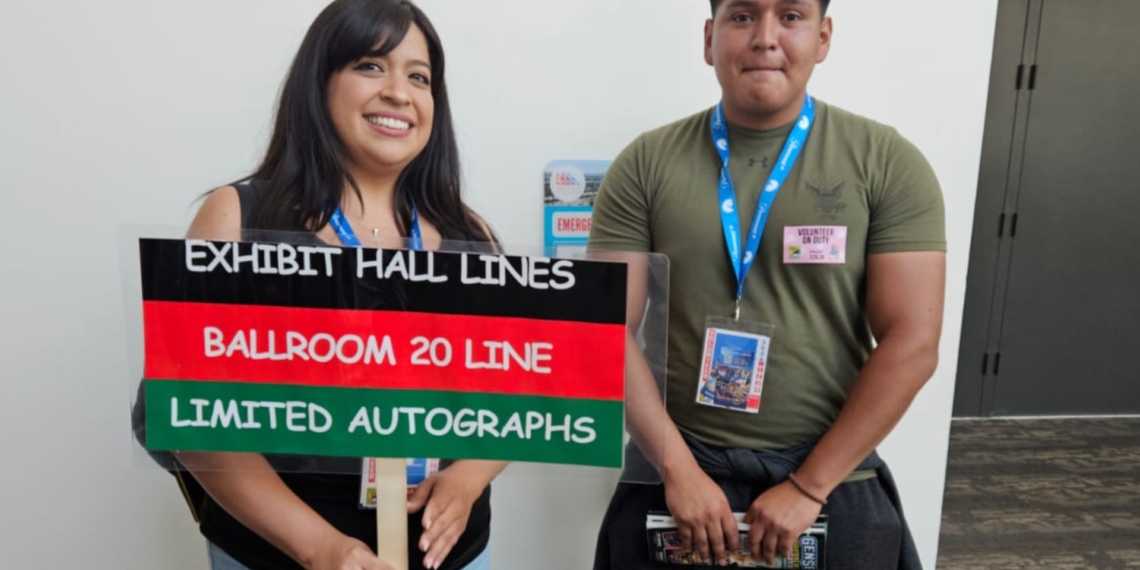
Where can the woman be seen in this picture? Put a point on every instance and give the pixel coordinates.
(363, 151)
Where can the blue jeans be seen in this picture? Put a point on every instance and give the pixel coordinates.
(219, 560)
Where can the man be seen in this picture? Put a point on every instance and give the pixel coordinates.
(829, 298)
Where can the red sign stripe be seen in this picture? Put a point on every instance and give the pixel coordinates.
(382, 349)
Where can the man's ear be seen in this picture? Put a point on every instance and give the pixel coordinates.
(708, 41)
(825, 31)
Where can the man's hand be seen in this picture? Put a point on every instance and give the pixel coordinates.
(704, 517)
(778, 516)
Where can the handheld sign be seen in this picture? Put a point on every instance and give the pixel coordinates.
(315, 350)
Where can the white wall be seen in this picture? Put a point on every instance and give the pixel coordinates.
(123, 111)
(924, 68)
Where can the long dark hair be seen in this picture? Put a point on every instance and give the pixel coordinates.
(304, 167)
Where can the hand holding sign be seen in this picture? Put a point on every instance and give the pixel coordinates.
(445, 500)
(340, 552)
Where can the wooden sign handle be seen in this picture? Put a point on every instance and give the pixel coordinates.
(392, 512)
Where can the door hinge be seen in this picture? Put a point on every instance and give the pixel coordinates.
(1001, 225)
(1033, 77)
(986, 362)
(1013, 226)
(1020, 74)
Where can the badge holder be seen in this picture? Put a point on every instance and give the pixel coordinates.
(733, 362)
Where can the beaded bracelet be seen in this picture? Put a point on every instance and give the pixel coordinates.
(808, 494)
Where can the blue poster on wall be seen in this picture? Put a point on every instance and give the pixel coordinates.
(569, 188)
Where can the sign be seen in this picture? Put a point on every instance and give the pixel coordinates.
(356, 352)
(569, 191)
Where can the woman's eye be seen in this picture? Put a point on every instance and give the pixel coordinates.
(421, 78)
(368, 66)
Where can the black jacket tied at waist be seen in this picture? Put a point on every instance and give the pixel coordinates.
(866, 527)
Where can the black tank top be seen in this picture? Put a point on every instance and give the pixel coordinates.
(331, 486)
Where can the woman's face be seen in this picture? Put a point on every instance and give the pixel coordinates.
(382, 107)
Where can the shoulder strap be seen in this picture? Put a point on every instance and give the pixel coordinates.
(249, 196)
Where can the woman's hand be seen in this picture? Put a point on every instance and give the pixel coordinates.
(340, 552)
(251, 491)
(448, 496)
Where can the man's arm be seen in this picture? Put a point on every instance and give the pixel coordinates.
(700, 507)
(905, 296)
(620, 230)
(648, 422)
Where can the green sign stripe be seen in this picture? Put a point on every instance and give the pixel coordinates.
(352, 422)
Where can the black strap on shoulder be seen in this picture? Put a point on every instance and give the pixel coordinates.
(249, 196)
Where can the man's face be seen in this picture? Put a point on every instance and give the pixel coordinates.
(764, 52)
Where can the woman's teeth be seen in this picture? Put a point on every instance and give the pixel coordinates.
(389, 122)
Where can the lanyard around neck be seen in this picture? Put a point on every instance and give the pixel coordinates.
(730, 220)
(348, 237)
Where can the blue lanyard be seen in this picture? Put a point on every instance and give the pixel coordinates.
(348, 237)
(730, 220)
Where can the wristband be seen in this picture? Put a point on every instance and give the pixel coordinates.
(802, 489)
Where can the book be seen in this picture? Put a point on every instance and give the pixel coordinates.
(808, 551)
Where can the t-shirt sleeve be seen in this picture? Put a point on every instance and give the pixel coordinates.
(620, 220)
(907, 209)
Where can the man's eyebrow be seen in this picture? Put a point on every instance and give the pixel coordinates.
(753, 3)
(741, 4)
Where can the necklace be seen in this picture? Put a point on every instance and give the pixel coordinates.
(348, 237)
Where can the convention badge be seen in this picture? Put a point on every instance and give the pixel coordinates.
(418, 471)
(733, 362)
(815, 245)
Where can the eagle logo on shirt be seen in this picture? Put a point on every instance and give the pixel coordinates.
(828, 199)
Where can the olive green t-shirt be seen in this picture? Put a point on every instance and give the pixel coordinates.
(853, 174)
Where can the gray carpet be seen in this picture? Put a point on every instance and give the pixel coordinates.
(1058, 494)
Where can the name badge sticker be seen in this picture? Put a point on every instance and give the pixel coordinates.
(815, 245)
